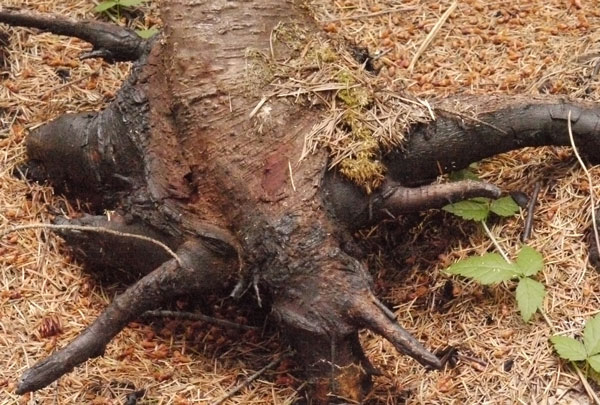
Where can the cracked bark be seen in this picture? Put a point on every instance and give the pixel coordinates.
(178, 159)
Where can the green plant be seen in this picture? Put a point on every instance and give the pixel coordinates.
(112, 8)
(492, 268)
(573, 350)
(147, 33)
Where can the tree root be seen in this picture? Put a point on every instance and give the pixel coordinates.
(355, 209)
(452, 142)
(111, 42)
(203, 272)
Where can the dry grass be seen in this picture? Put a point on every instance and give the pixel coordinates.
(529, 47)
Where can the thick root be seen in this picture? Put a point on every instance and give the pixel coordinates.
(456, 139)
(111, 42)
(321, 317)
(198, 270)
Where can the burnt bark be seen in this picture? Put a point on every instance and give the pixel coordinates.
(179, 158)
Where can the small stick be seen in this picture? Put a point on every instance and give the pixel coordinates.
(530, 211)
(431, 35)
(374, 14)
(197, 317)
(249, 380)
(82, 228)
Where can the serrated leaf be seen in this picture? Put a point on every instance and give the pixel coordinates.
(594, 362)
(131, 3)
(591, 335)
(149, 33)
(464, 174)
(530, 296)
(469, 209)
(529, 261)
(568, 348)
(505, 206)
(487, 269)
(105, 5)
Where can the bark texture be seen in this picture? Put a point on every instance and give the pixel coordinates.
(179, 158)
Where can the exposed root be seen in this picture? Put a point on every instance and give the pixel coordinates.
(495, 125)
(356, 209)
(203, 271)
(111, 42)
(369, 313)
(401, 200)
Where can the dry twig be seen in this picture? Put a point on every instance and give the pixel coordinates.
(249, 380)
(431, 35)
(81, 228)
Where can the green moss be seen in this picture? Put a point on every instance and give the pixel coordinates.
(291, 35)
(362, 166)
(260, 71)
(354, 96)
(321, 53)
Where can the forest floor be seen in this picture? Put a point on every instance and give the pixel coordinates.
(501, 47)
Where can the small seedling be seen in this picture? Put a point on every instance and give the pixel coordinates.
(493, 268)
(573, 350)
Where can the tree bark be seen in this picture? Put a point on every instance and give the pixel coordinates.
(180, 158)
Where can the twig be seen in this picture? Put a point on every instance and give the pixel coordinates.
(82, 228)
(530, 212)
(197, 317)
(431, 35)
(373, 14)
(249, 380)
(258, 106)
(590, 182)
(495, 242)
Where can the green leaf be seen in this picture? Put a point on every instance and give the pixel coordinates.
(591, 336)
(469, 209)
(505, 207)
(464, 174)
(568, 348)
(131, 3)
(150, 32)
(105, 5)
(529, 261)
(487, 269)
(530, 296)
(594, 362)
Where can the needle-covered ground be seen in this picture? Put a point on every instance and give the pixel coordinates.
(526, 47)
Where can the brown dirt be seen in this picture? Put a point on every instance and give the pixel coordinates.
(501, 47)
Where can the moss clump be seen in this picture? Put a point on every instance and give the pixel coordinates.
(321, 53)
(362, 166)
(354, 96)
(291, 35)
(260, 71)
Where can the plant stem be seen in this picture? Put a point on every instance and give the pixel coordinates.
(495, 242)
